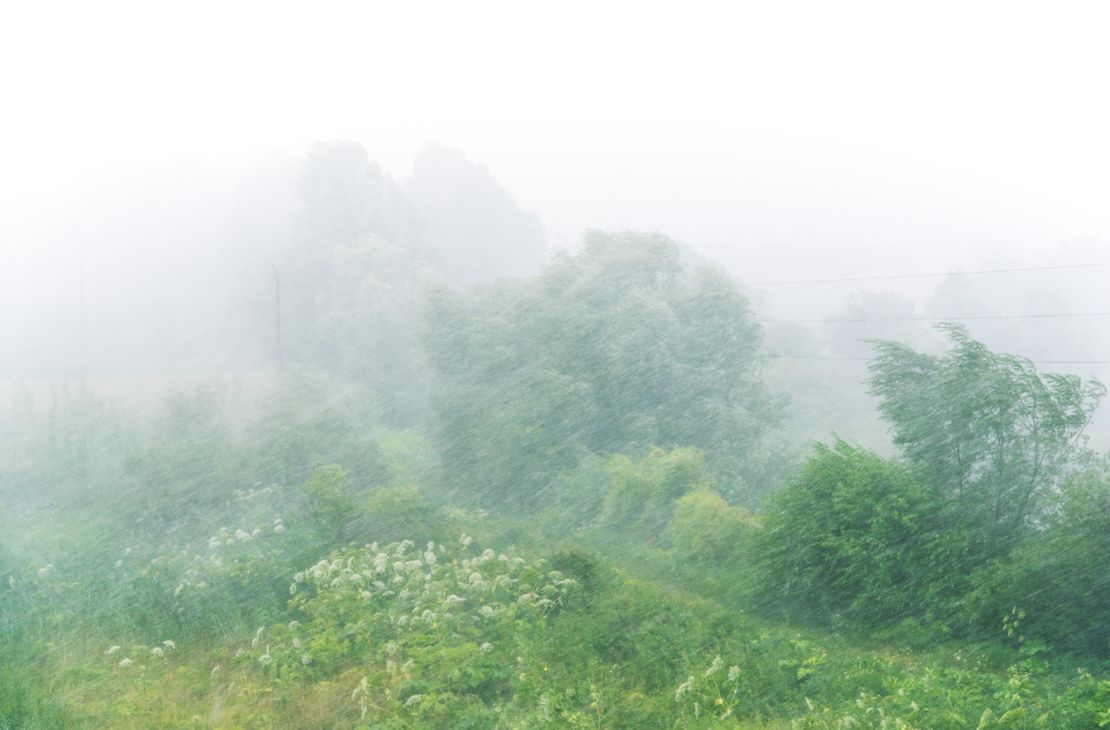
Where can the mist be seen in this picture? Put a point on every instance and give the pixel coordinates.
(484, 366)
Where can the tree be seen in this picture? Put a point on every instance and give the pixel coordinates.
(623, 346)
(476, 232)
(352, 286)
(986, 431)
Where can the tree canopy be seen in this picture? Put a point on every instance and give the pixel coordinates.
(985, 430)
(623, 345)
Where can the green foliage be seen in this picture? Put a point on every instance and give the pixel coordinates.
(187, 465)
(705, 527)
(352, 285)
(582, 565)
(986, 431)
(852, 535)
(615, 349)
(1057, 577)
(439, 627)
(330, 502)
(641, 494)
(393, 513)
(307, 421)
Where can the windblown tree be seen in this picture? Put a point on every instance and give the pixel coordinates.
(986, 431)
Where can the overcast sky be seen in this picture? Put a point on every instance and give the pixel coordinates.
(783, 139)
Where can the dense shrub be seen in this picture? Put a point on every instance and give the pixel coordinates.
(705, 527)
(641, 494)
(1055, 587)
(853, 536)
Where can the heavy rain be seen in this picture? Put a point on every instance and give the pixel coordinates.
(587, 365)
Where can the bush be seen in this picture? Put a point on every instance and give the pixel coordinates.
(705, 527)
(853, 536)
(1050, 577)
(642, 494)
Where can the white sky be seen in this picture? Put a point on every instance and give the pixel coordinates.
(784, 139)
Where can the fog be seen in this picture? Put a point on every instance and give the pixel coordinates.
(629, 283)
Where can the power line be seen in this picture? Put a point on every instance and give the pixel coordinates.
(1053, 315)
(868, 359)
(926, 276)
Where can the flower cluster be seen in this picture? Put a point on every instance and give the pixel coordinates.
(385, 604)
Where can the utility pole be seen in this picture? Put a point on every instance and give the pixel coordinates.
(277, 313)
(80, 303)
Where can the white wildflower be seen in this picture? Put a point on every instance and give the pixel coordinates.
(684, 688)
(112, 649)
(157, 651)
(714, 667)
(413, 699)
(430, 557)
(486, 647)
(242, 535)
(169, 644)
(125, 663)
(733, 673)
(296, 643)
(306, 659)
(43, 572)
(119, 563)
(256, 532)
(265, 658)
(294, 625)
(486, 611)
(279, 528)
(215, 671)
(466, 540)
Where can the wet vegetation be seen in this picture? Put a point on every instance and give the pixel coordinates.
(480, 491)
